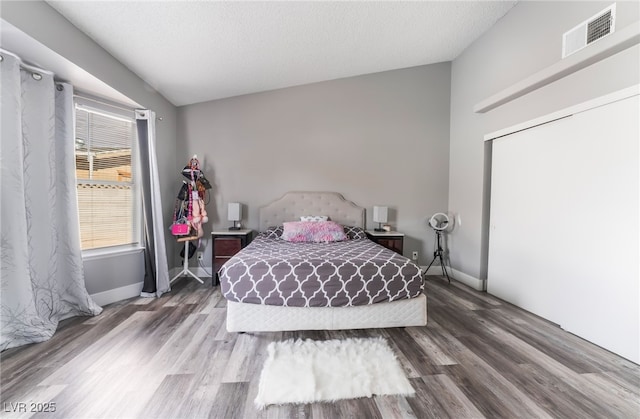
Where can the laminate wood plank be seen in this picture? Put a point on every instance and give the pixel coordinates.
(505, 358)
(457, 322)
(553, 345)
(438, 397)
(421, 361)
(212, 302)
(354, 408)
(230, 401)
(54, 354)
(295, 411)
(243, 362)
(409, 370)
(254, 377)
(474, 295)
(449, 294)
(142, 301)
(364, 407)
(325, 410)
(204, 394)
(394, 407)
(628, 379)
(164, 403)
(138, 386)
(178, 345)
(593, 355)
(478, 356)
(152, 334)
(89, 395)
(117, 340)
(40, 395)
(574, 386)
(555, 395)
(298, 411)
(436, 352)
(489, 391)
(199, 345)
(195, 294)
(625, 401)
(443, 338)
(222, 303)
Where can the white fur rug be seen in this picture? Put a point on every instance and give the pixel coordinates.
(312, 371)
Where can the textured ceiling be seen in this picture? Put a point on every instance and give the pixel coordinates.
(195, 51)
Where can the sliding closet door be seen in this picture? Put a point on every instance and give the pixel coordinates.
(564, 224)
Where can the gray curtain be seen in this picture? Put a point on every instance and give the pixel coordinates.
(41, 272)
(156, 276)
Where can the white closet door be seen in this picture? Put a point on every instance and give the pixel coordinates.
(564, 224)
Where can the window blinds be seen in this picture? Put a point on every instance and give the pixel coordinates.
(105, 172)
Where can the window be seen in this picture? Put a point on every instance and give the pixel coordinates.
(108, 198)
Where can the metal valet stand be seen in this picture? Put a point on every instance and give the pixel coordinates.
(439, 222)
(192, 172)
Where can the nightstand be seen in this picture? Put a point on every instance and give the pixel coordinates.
(392, 240)
(226, 243)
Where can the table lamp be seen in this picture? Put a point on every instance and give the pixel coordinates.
(234, 213)
(380, 216)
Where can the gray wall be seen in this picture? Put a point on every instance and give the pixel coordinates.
(528, 39)
(38, 20)
(379, 139)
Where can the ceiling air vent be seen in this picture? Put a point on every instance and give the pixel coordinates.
(589, 31)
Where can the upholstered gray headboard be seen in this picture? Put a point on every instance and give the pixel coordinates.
(295, 204)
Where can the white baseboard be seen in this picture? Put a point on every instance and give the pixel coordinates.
(117, 294)
(469, 280)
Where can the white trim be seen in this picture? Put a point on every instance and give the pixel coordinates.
(473, 282)
(92, 104)
(597, 51)
(104, 106)
(109, 252)
(582, 107)
(117, 294)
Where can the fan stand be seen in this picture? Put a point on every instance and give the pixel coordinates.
(438, 255)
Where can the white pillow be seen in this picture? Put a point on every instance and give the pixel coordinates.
(314, 218)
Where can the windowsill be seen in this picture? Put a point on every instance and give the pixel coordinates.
(108, 252)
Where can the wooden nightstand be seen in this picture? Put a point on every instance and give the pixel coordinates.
(392, 240)
(227, 243)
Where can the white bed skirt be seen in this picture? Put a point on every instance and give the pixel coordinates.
(242, 317)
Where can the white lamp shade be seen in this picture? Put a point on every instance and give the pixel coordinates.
(234, 211)
(380, 214)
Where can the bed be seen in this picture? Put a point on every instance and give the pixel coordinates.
(275, 285)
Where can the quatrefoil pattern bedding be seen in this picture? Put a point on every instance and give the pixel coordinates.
(357, 272)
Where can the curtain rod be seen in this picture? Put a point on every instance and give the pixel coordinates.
(79, 94)
(85, 96)
(24, 65)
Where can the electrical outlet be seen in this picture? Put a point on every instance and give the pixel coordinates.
(200, 255)
(414, 255)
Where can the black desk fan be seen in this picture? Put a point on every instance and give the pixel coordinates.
(439, 222)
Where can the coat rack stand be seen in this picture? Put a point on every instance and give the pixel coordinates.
(185, 265)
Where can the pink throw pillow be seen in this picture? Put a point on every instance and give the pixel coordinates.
(313, 232)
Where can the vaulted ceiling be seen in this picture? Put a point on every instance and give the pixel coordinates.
(195, 51)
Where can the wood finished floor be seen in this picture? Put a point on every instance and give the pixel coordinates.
(172, 358)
